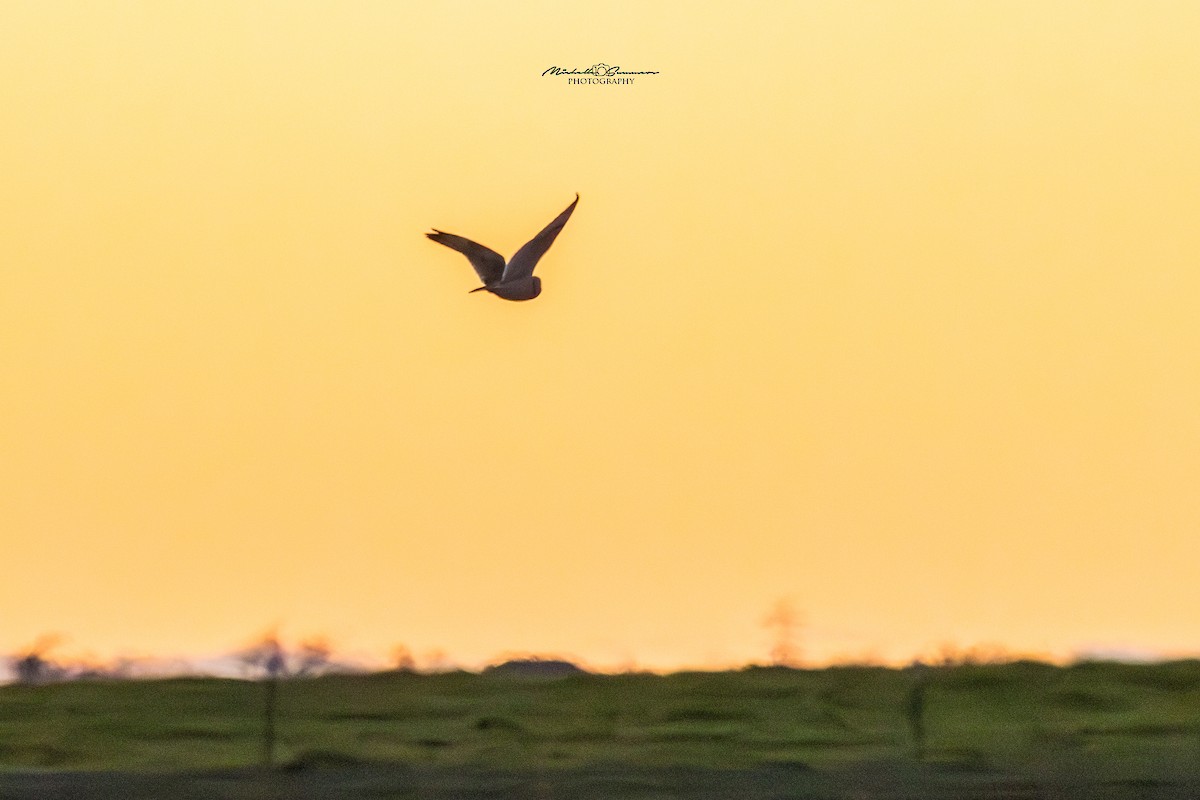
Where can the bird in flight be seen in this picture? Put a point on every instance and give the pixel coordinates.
(515, 280)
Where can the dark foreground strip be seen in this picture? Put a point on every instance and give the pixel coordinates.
(623, 782)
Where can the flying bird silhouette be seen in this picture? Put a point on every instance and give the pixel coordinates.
(514, 281)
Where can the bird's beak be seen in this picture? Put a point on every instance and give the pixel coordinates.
(480, 289)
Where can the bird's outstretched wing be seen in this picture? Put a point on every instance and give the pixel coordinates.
(488, 264)
(521, 265)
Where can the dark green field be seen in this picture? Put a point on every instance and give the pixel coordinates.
(1023, 730)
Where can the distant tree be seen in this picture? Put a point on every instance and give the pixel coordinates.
(436, 660)
(313, 656)
(402, 657)
(33, 666)
(265, 657)
(950, 654)
(784, 623)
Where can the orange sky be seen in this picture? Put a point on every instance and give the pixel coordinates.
(890, 309)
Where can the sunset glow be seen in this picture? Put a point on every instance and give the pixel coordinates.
(890, 311)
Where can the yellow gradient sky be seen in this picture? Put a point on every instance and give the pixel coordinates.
(890, 309)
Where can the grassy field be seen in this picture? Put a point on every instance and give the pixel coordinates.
(1010, 730)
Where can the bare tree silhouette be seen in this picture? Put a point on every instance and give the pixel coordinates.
(313, 656)
(784, 622)
(403, 659)
(33, 666)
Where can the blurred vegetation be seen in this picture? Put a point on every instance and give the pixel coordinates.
(1097, 721)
